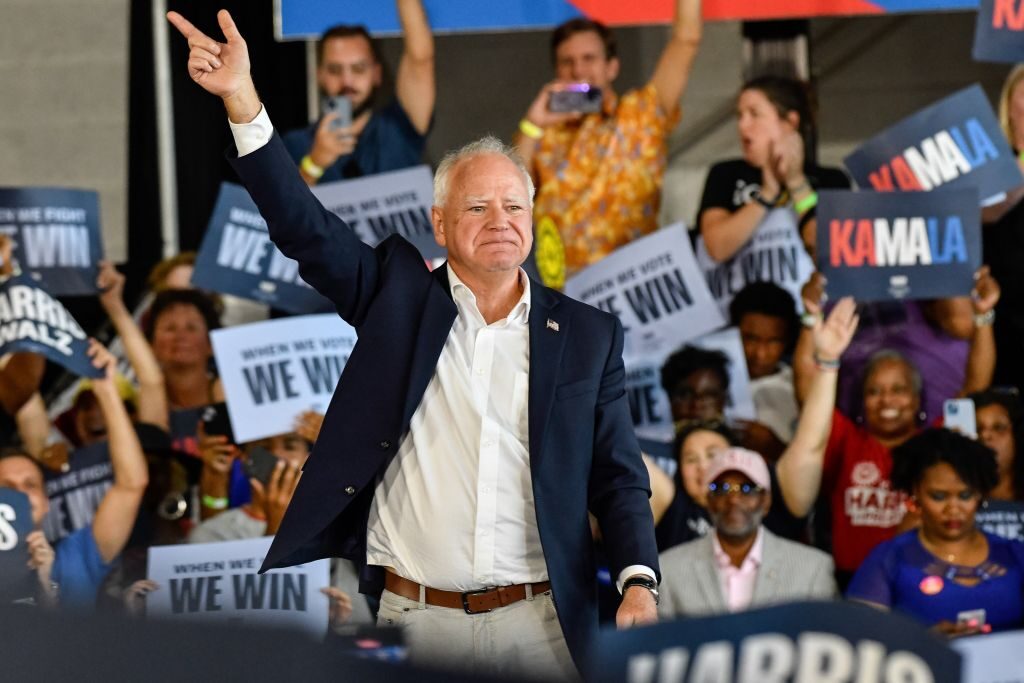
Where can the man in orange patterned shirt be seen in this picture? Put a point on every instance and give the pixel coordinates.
(599, 175)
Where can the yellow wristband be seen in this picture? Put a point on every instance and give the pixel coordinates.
(531, 130)
(311, 169)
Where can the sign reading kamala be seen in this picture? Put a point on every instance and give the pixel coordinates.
(655, 288)
(999, 31)
(17, 580)
(953, 143)
(32, 320)
(56, 235)
(907, 245)
(219, 582)
(274, 370)
(393, 203)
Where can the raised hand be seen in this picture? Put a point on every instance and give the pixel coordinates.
(6, 262)
(833, 335)
(986, 292)
(222, 69)
(111, 285)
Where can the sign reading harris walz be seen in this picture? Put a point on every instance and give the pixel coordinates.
(953, 143)
(907, 245)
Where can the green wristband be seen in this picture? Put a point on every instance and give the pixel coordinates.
(215, 503)
(807, 203)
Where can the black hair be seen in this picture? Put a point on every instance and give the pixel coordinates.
(181, 297)
(767, 298)
(973, 461)
(346, 31)
(687, 427)
(791, 95)
(688, 360)
(570, 28)
(1011, 403)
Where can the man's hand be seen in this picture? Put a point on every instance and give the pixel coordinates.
(538, 113)
(40, 559)
(637, 609)
(332, 143)
(274, 499)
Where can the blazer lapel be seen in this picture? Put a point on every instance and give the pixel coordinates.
(548, 332)
(439, 312)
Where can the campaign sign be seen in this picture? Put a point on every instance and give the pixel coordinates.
(1002, 517)
(810, 641)
(740, 404)
(17, 581)
(218, 582)
(385, 204)
(237, 257)
(774, 253)
(75, 494)
(56, 236)
(32, 320)
(274, 370)
(908, 245)
(655, 288)
(648, 402)
(999, 31)
(991, 658)
(953, 143)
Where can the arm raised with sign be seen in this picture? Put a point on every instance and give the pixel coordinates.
(331, 257)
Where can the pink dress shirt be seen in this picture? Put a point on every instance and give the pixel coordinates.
(738, 582)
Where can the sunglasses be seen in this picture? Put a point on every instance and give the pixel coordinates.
(725, 489)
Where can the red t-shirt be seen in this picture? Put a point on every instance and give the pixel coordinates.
(865, 508)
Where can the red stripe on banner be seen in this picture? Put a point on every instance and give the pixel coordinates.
(716, 10)
(617, 12)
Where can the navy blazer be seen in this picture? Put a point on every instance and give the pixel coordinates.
(583, 451)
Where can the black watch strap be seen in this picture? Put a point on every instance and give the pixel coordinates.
(643, 582)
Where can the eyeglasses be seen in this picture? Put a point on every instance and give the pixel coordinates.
(725, 489)
(706, 397)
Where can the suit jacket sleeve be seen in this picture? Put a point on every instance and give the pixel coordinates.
(619, 488)
(332, 258)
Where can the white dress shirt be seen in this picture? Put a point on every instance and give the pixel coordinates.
(455, 508)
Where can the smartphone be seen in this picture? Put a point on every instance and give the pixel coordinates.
(260, 464)
(972, 617)
(576, 97)
(216, 421)
(342, 106)
(958, 415)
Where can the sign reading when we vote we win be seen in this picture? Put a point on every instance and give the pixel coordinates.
(219, 582)
(273, 371)
(914, 245)
(655, 288)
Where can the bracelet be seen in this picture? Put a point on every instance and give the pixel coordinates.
(985, 319)
(214, 503)
(765, 202)
(807, 203)
(799, 188)
(809, 320)
(825, 363)
(531, 129)
(310, 168)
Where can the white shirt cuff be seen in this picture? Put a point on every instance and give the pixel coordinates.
(633, 570)
(249, 137)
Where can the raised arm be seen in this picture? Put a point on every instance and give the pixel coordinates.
(152, 407)
(673, 70)
(799, 469)
(812, 296)
(981, 359)
(115, 516)
(415, 86)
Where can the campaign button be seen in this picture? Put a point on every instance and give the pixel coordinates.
(931, 585)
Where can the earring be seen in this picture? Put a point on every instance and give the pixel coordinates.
(922, 417)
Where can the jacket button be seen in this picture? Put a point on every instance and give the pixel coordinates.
(384, 445)
(350, 490)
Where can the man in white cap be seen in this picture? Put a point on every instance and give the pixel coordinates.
(741, 565)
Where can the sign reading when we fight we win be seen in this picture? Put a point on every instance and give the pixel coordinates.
(915, 245)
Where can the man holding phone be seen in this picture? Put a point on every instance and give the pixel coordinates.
(598, 159)
(351, 138)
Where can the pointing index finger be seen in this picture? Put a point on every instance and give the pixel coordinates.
(183, 25)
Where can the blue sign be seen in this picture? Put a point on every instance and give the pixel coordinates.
(17, 581)
(56, 236)
(999, 32)
(31, 319)
(904, 245)
(953, 143)
(75, 494)
(237, 257)
(797, 642)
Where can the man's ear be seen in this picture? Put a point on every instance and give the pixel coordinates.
(793, 119)
(378, 75)
(437, 219)
(614, 65)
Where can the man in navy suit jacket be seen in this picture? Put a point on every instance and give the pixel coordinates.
(478, 420)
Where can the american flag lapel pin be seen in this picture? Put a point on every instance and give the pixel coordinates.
(552, 325)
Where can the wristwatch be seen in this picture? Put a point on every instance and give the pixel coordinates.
(643, 582)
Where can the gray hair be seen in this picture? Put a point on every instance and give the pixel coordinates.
(488, 144)
(890, 356)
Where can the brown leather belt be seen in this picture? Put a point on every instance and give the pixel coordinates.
(473, 602)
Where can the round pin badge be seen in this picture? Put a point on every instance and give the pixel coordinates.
(550, 253)
(931, 585)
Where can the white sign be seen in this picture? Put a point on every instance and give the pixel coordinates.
(648, 402)
(728, 341)
(655, 288)
(274, 370)
(992, 658)
(219, 582)
(774, 253)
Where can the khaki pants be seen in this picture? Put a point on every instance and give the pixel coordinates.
(523, 639)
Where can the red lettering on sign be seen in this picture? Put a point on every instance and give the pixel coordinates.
(905, 178)
(865, 246)
(1008, 14)
(839, 240)
(881, 180)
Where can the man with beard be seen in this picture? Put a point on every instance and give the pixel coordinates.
(378, 139)
(742, 565)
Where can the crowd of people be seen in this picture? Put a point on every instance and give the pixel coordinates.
(845, 484)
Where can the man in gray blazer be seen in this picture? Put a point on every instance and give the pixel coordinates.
(741, 565)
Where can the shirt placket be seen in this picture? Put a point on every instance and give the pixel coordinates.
(487, 468)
